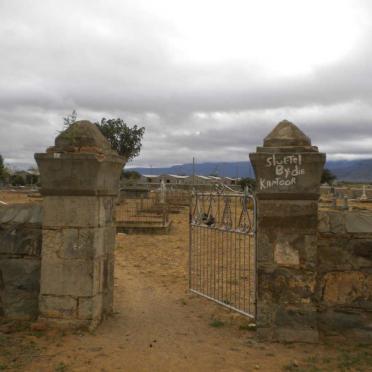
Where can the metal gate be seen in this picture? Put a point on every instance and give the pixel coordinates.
(222, 257)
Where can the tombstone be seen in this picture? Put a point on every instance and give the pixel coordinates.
(288, 172)
(364, 195)
(80, 182)
(346, 203)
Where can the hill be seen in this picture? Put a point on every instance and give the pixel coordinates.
(346, 170)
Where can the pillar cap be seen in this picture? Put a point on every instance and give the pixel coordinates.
(286, 134)
(82, 137)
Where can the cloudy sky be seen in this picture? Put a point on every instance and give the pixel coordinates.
(207, 78)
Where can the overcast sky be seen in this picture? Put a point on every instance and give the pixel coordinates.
(207, 78)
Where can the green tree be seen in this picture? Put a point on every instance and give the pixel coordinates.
(2, 167)
(125, 140)
(18, 180)
(4, 171)
(130, 175)
(328, 177)
(250, 182)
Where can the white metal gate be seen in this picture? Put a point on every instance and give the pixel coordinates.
(222, 257)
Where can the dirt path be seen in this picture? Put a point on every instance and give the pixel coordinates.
(159, 326)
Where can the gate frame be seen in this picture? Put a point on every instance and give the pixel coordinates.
(220, 188)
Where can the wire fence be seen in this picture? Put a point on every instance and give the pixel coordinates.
(142, 211)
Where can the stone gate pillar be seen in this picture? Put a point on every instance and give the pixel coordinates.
(288, 172)
(80, 181)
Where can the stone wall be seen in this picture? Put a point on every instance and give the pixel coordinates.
(344, 280)
(20, 247)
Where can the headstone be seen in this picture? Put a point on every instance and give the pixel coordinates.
(364, 195)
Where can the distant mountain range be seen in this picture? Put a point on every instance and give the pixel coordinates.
(345, 170)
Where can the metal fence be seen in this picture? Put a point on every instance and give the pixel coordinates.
(222, 263)
(145, 211)
(174, 197)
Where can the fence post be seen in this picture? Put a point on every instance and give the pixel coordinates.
(288, 171)
(80, 183)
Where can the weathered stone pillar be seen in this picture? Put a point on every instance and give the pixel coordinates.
(288, 172)
(80, 181)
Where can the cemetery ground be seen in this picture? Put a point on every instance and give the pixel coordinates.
(158, 325)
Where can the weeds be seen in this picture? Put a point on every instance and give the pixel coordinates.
(216, 323)
(60, 367)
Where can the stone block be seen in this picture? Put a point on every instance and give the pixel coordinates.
(362, 248)
(280, 208)
(300, 174)
(19, 287)
(76, 277)
(343, 252)
(337, 222)
(265, 252)
(58, 306)
(85, 308)
(78, 243)
(26, 214)
(358, 222)
(302, 316)
(20, 240)
(71, 211)
(346, 288)
(323, 222)
(307, 335)
(288, 286)
(353, 324)
(285, 254)
(98, 309)
(79, 173)
(308, 251)
(292, 224)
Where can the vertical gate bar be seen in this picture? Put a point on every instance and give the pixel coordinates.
(234, 247)
(190, 244)
(235, 235)
(218, 263)
(240, 271)
(200, 257)
(209, 261)
(215, 239)
(222, 264)
(203, 253)
(225, 263)
(255, 253)
(230, 265)
(200, 252)
(244, 272)
(204, 259)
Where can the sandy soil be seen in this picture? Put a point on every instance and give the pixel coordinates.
(159, 325)
(18, 196)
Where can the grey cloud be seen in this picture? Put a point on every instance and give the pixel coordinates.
(117, 61)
